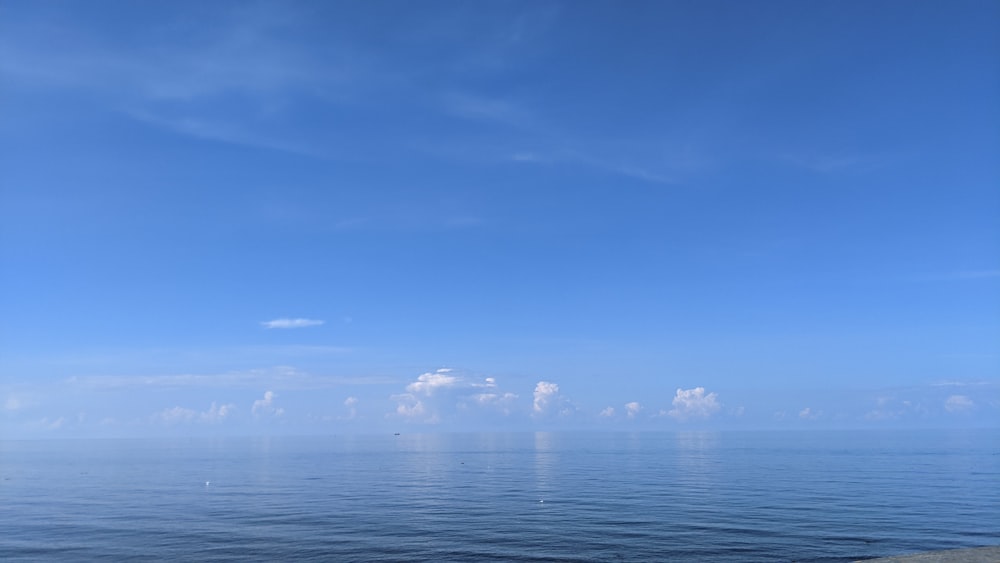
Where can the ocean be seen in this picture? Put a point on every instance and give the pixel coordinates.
(685, 496)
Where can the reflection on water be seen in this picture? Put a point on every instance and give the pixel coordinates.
(692, 496)
(545, 459)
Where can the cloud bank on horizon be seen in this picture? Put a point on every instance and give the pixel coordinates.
(449, 400)
(286, 216)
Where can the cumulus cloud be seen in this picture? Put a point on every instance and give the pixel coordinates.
(442, 394)
(412, 408)
(12, 404)
(808, 414)
(958, 403)
(607, 412)
(291, 323)
(545, 394)
(632, 409)
(266, 407)
(502, 402)
(176, 415)
(217, 413)
(694, 403)
(351, 404)
(427, 383)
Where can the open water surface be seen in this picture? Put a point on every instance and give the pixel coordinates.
(699, 496)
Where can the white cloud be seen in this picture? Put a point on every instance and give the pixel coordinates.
(427, 383)
(469, 106)
(265, 406)
(291, 323)
(545, 393)
(961, 275)
(53, 424)
(412, 408)
(12, 404)
(352, 410)
(632, 409)
(284, 377)
(176, 415)
(499, 401)
(440, 394)
(694, 403)
(607, 412)
(217, 413)
(525, 157)
(808, 414)
(958, 403)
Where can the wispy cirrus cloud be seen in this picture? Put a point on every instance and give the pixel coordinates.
(959, 275)
(279, 377)
(833, 163)
(291, 323)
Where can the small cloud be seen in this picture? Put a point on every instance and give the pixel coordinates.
(217, 413)
(352, 410)
(12, 404)
(498, 401)
(632, 409)
(411, 407)
(175, 415)
(958, 403)
(738, 411)
(828, 164)
(265, 406)
(694, 403)
(607, 412)
(53, 424)
(960, 275)
(427, 383)
(545, 392)
(891, 408)
(526, 157)
(808, 414)
(291, 323)
(469, 106)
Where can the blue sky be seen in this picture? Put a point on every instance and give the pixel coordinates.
(326, 217)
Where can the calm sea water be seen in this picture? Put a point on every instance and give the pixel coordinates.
(786, 496)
